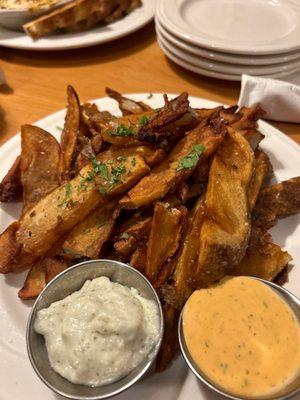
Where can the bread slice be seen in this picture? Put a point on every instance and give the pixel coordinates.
(70, 14)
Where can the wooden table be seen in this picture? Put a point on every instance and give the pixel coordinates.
(37, 80)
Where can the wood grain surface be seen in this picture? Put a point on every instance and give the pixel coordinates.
(37, 80)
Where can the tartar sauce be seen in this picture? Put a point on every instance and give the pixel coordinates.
(100, 333)
(243, 336)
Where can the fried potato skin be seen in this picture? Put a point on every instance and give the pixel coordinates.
(86, 239)
(165, 177)
(260, 172)
(138, 258)
(277, 200)
(55, 215)
(69, 134)
(170, 344)
(265, 260)
(179, 290)
(39, 164)
(34, 283)
(164, 238)
(52, 267)
(226, 226)
(127, 106)
(11, 185)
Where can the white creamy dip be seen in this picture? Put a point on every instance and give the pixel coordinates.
(99, 334)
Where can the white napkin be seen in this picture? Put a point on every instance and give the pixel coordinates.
(280, 100)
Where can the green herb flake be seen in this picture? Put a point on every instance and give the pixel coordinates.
(87, 231)
(103, 191)
(143, 120)
(68, 194)
(191, 160)
(150, 95)
(104, 171)
(59, 128)
(133, 161)
(122, 131)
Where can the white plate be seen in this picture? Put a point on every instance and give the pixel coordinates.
(235, 26)
(17, 378)
(224, 57)
(227, 68)
(101, 34)
(182, 61)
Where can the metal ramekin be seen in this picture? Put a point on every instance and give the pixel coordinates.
(60, 287)
(291, 390)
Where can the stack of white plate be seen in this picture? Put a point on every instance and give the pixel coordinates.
(227, 38)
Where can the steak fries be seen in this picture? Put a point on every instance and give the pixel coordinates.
(181, 194)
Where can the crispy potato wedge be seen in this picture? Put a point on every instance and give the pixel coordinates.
(69, 135)
(168, 174)
(138, 258)
(170, 344)
(11, 186)
(163, 125)
(260, 172)
(86, 239)
(266, 260)
(127, 106)
(52, 267)
(164, 239)
(179, 292)
(226, 227)
(63, 208)
(69, 15)
(122, 132)
(275, 201)
(34, 282)
(39, 164)
(127, 240)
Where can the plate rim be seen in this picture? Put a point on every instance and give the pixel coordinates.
(24, 42)
(235, 49)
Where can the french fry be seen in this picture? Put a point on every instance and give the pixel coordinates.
(86, 239)
(170, 173)
(177, 293)
(275, 201)
(63, 208)
(226, 227)
(11, 185)
(130, 236)
(34, 283)
(52, 267)
(170, 344)
(266, 260)
(164, 239)
(138, 258)
(260, 172)
(39, 164)
(128, 106)
(69, 135)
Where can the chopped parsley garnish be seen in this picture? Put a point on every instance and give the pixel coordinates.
(102, 191)
(104, 171)
(116, 177)
(150, 95)
(191, 160)
(68, 194)
(143, 120)
(59, 128)
(86, 231)
(122, 131)
(133, 161)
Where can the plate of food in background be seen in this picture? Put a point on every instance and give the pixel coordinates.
(160, 188)
(69, 24)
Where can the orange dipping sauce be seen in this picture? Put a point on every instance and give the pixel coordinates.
(243, 336)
